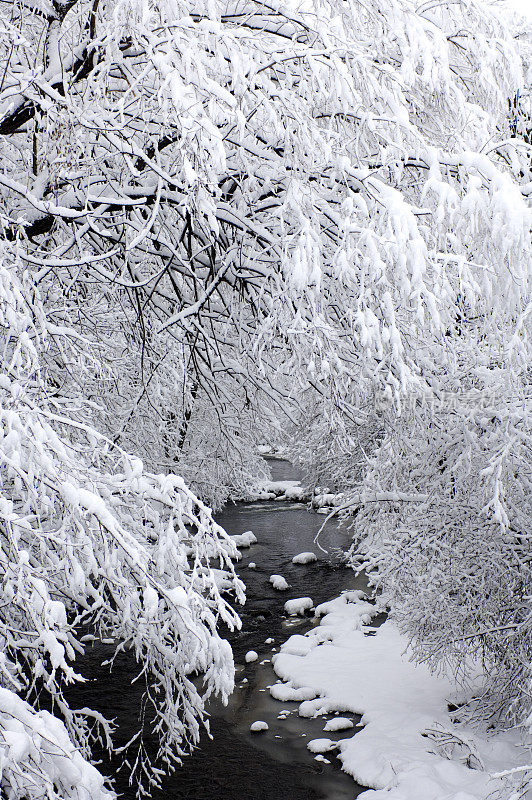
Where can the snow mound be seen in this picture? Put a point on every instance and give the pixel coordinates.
(304, 558)
(321, 745)
(279, 583)
(298, 606)
(245, 539)
(284, 692)
(258, 726)
(252, 565)
(314, 708)
(298, 645)
(338, 724)
(250, 656)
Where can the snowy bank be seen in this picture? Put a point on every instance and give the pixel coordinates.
(409, 748)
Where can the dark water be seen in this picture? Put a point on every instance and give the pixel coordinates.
(237, 764)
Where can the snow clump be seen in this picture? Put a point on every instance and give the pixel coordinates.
(245, 539)
(250, 656)
(298, 606)
(304, 558)
(258, 726)
(279, 583)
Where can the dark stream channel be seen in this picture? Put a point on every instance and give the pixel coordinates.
(237, 764)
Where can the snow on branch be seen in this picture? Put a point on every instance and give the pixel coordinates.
(39, 759)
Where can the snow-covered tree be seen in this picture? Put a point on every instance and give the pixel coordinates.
(253, 174)
(92, 541)
(215, 210)
(443, 526)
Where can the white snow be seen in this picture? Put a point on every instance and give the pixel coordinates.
(38, 753)
(298, 605)
(250, 656)
(338, 724)
(326, 500)
(252, 565)
(258, 726)
(279, 583)
(343, 669)
(285, 692)
(297, 645)
(245, 539)
(281, 490)
(304, 558)
(321, 745)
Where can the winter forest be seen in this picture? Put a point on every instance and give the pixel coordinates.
(234, 225)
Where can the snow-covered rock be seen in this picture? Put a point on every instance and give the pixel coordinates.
(314, 708)
(245, 539)
(321, 745)
(279, 583)
(327, 500)
(250, 656)
(298, 606)
(285, 692)
(258, 726)
(304, 558)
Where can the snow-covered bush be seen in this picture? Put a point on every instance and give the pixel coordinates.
(267, 204)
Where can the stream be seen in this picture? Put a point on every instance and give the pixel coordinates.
(237, 764)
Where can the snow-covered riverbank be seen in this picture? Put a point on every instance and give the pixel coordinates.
(409, 746)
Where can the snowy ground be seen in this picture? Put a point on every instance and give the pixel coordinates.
(408, 747)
